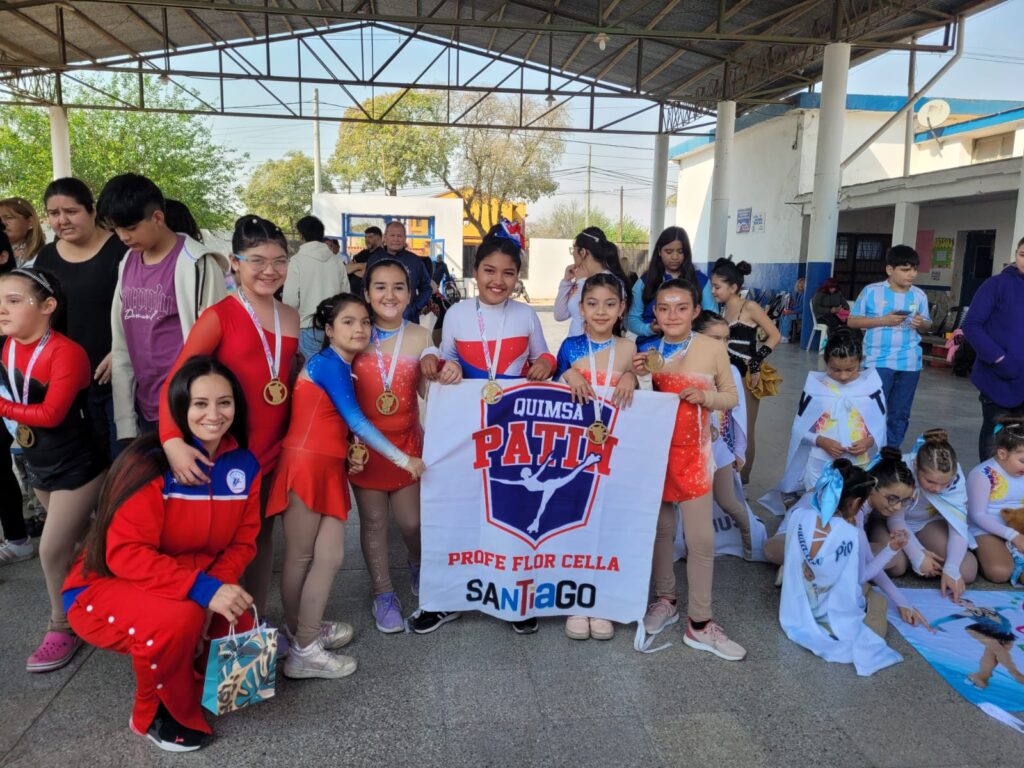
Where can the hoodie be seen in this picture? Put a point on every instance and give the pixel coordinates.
(994, 327)
(314, 274)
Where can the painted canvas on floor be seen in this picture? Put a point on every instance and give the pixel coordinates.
(977, 646)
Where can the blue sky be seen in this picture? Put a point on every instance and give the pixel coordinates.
(992, 67)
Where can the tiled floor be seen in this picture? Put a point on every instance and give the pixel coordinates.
(475, 694)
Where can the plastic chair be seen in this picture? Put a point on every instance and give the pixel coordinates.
(822, 330)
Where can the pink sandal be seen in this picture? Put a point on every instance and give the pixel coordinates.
(56, 651)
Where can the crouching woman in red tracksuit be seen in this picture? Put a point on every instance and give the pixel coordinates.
(162, 559)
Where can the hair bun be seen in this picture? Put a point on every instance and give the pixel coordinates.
(744, 268)
(936, 436)
(890, 453)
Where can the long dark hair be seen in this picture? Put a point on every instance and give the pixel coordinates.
(497, 241)
(857, 485)
(604, 252)
(615, 284)
(656, 269)
(252, 231)
(144, 460)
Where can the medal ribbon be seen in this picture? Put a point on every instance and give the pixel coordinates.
(600, 398)
(26, 377)
(379, 349)
(684, 347)
(492, 365)
(273, 363)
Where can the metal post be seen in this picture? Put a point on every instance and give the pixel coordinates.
(908, 138)
(720, 181)
(60, 143)
(658, 185)
(821, 240)
(316, 142)
(586, 218)
(622, 214)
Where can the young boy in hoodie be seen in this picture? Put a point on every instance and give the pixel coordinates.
(165, 280)
(315, 273)
(995, 328)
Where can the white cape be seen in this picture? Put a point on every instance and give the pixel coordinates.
(845, 411)
(822, 607)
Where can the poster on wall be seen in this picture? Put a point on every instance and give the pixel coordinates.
(757, 222)
(942, 253)
(743, 216)
(925, 238)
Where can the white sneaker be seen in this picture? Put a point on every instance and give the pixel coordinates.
(15, 553)
(335, 634)
(315, 661)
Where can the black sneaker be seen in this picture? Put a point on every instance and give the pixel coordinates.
(170, 735)
(425, 622)
(525, 627)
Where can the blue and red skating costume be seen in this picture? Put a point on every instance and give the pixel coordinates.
(522, 344)
(577, 348)
(312, 463)
(170, 548)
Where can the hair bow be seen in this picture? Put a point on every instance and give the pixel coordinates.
(827, 493)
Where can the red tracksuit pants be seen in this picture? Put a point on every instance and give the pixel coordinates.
(161, 635)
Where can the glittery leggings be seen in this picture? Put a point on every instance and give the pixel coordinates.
(373, 529)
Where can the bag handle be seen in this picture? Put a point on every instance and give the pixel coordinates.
(233, 635)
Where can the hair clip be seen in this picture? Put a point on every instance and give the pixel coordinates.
(998, 429)
(31, 274)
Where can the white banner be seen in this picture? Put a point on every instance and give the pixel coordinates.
(523, 516)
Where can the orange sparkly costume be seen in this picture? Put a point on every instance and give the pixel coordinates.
(402, 427)
(705, 366)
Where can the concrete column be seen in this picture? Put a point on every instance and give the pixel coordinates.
(1018, 219)
(904, 224)
(60, 142)
(721, 181)
(658, 185)
(821, 241)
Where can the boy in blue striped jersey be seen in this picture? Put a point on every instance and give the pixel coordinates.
(892, 314)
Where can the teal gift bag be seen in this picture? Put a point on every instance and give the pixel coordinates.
(241, 669)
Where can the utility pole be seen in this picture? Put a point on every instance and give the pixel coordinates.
(316, 142)
(587, 218)
(622, 193)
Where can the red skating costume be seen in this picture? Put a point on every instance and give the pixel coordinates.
(226, 332)
(170, 547)
(62, 454)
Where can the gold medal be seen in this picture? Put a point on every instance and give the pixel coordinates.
(26, 437)
(655, 361)
(597, 433)
(276, 392)
(387, 403)
(491, 392)
(358, 453)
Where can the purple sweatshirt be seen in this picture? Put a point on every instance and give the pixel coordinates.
(995, 327)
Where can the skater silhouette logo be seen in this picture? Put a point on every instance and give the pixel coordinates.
(540, 471)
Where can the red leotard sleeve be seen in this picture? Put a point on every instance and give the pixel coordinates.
(69, 375)
(203, 339)
(229, 564)
(133, 541)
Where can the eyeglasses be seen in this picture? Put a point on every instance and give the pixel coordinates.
(260, 264)
(572, 250)
(895, 502)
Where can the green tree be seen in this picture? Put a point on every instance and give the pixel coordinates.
(566, 220)
(177, 151)
(282, 190)
(494, 166)
(370, 155)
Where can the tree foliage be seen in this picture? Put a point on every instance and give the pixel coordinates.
(505, 165)
(177, 151)
(282, 190)
(372, 155)
(566, 220)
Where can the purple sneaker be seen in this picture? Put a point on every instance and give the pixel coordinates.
(414, 579)
(387, 612)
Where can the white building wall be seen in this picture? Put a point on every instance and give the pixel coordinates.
(548, 260)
